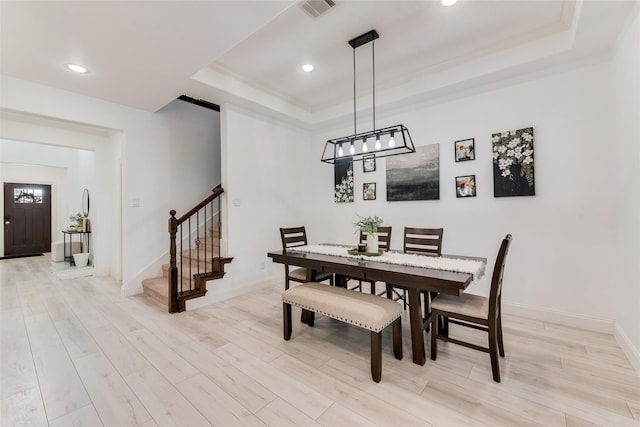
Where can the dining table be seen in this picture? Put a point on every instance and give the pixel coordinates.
(413, 278)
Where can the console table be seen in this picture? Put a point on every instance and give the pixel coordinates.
(71, 233)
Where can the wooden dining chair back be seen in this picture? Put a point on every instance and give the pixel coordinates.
(384, 243)
(423, 241)
(474, 311)
(291, 238)
(420, 241)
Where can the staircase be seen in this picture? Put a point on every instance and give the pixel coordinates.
(194, 260)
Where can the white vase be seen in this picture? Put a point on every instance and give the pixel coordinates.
(372, 243)
(81, 259)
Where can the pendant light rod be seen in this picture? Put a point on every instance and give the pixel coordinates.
(354, 92)
(373, 65)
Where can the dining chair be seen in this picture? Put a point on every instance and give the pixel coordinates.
(384, 242)
(420, 241)
(474, 311)
(291, 238)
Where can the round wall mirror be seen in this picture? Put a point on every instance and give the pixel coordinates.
(85, 203)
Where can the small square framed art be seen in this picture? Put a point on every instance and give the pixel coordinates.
(466, 186)
(465, 150)
(369, 191)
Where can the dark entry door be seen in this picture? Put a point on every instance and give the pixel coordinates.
(27, 219)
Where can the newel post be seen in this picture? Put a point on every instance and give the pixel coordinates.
(173, 268)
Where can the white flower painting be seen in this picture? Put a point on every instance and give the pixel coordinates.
(513, 163)
(343, 172)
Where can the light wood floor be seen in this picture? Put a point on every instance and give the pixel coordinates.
(74, 353)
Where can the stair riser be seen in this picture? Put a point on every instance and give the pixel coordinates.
(158, 296)
(186, 274)
(211, 252)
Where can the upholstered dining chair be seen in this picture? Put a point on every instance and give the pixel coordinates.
(384, 242)
(292, 237)
(476, 312)
(420, 241)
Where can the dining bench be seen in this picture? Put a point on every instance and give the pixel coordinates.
(367, 311)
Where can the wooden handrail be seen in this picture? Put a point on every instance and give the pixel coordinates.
(217, 191)
(176, 303)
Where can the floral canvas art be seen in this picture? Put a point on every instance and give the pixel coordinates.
(343, 173)
(513, 163)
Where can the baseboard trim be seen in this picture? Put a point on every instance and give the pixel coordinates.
(579, 321)
(632, 353)
(552, 316)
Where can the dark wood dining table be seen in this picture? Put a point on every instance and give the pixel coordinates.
(413, 279)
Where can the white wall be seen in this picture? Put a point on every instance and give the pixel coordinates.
(264, 181)
(567, 239)
(625, 286)
(140, 149)
(563, 248)
(571, 223)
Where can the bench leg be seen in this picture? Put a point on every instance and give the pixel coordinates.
(397, 338)
(286, 320)
(376, 356)
(308, 317)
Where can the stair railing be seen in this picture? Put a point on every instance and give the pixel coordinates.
(199, 232)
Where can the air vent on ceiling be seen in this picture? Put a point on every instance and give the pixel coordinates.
(316, 8)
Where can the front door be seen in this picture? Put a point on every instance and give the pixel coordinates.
(27, 219)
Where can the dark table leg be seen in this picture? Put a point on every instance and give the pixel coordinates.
(417, 334)
(64, 246)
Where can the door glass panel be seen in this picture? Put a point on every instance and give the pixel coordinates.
(27, 195)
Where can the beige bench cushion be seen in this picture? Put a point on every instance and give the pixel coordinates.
(367, 311)
(466, 304)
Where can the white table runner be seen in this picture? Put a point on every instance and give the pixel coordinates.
(459, 265)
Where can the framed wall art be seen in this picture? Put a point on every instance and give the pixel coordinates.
(465, 150)
(414, 176)
(466, 186)
(343, 181)
(369, 191)
(513, 163)
(369, 163)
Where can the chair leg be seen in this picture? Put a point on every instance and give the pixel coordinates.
(493, 350)
(376, 356)
(373, 288)
(397, 338)
(445, 326)
(434, 333)
(286, 320)
(500, 343)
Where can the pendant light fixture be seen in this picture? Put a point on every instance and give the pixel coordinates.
(389, 141)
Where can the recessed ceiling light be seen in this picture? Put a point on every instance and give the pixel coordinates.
(307, 68)
(448, 2)
(77, 68)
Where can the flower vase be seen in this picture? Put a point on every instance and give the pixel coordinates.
(372, 243)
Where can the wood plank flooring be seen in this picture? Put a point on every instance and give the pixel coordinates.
(75, 353)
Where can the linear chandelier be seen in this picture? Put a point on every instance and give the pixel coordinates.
(384, 142)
